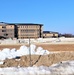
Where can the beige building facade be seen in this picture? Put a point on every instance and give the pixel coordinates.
(7, 30)
(24, 30)
(21, 31)
(49, 34)
(30, 31)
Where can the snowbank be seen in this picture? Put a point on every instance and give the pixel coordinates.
(9, 54)
(63, 68)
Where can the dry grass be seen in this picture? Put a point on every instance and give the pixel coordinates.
(52, 47)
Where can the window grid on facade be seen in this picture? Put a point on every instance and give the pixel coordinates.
(20, 30)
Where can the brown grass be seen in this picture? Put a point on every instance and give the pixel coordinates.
(52, 47)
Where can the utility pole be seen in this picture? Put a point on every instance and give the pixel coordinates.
(30, 53)
(28, 36)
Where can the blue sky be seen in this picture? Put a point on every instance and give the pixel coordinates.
(56, 15)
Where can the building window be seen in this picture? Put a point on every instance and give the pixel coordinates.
(20, 26)
(5, 34)
(3, 27)
(3, 30)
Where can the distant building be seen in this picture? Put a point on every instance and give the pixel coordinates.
(21, 31)
(24, 30)
(29, 30)
(7, 30)
(48, 34)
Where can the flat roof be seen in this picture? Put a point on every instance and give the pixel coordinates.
(49, 32)
(28, 24)
(4, 23)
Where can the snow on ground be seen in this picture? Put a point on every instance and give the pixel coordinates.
(60, 40)
(13, 53)
(62, 68)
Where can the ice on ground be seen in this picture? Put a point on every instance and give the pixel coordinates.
(63, 68)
